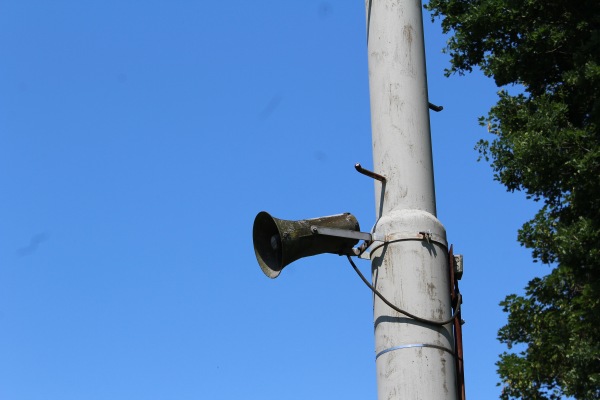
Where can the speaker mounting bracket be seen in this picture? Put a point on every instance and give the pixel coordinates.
(369, 238)
(321, 230)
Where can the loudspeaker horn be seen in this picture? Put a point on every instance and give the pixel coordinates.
(279, 242)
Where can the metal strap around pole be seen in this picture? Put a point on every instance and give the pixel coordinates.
(411, 346)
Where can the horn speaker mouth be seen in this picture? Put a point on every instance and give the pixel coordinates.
(267, 244)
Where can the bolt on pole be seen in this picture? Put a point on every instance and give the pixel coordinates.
(414, 360)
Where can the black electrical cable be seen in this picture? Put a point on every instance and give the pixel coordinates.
(401, 311)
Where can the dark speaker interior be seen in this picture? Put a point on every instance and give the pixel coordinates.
(267, 244)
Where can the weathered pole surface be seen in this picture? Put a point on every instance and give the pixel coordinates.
(414, 359)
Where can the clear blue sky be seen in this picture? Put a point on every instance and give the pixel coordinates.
(138, 140)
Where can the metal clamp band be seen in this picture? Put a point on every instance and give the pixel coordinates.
(380, 240)
(427, 236)
(410, 346)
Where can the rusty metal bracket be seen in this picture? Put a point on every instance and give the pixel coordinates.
(456, 299)
(427, 235)
(370, 174)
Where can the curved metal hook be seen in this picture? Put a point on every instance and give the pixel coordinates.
(370, 174)
(435, 108)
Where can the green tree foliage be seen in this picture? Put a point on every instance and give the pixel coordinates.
(546, 143)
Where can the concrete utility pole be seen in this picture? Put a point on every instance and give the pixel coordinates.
(414, 359)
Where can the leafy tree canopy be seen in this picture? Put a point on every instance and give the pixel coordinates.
(546, 143)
